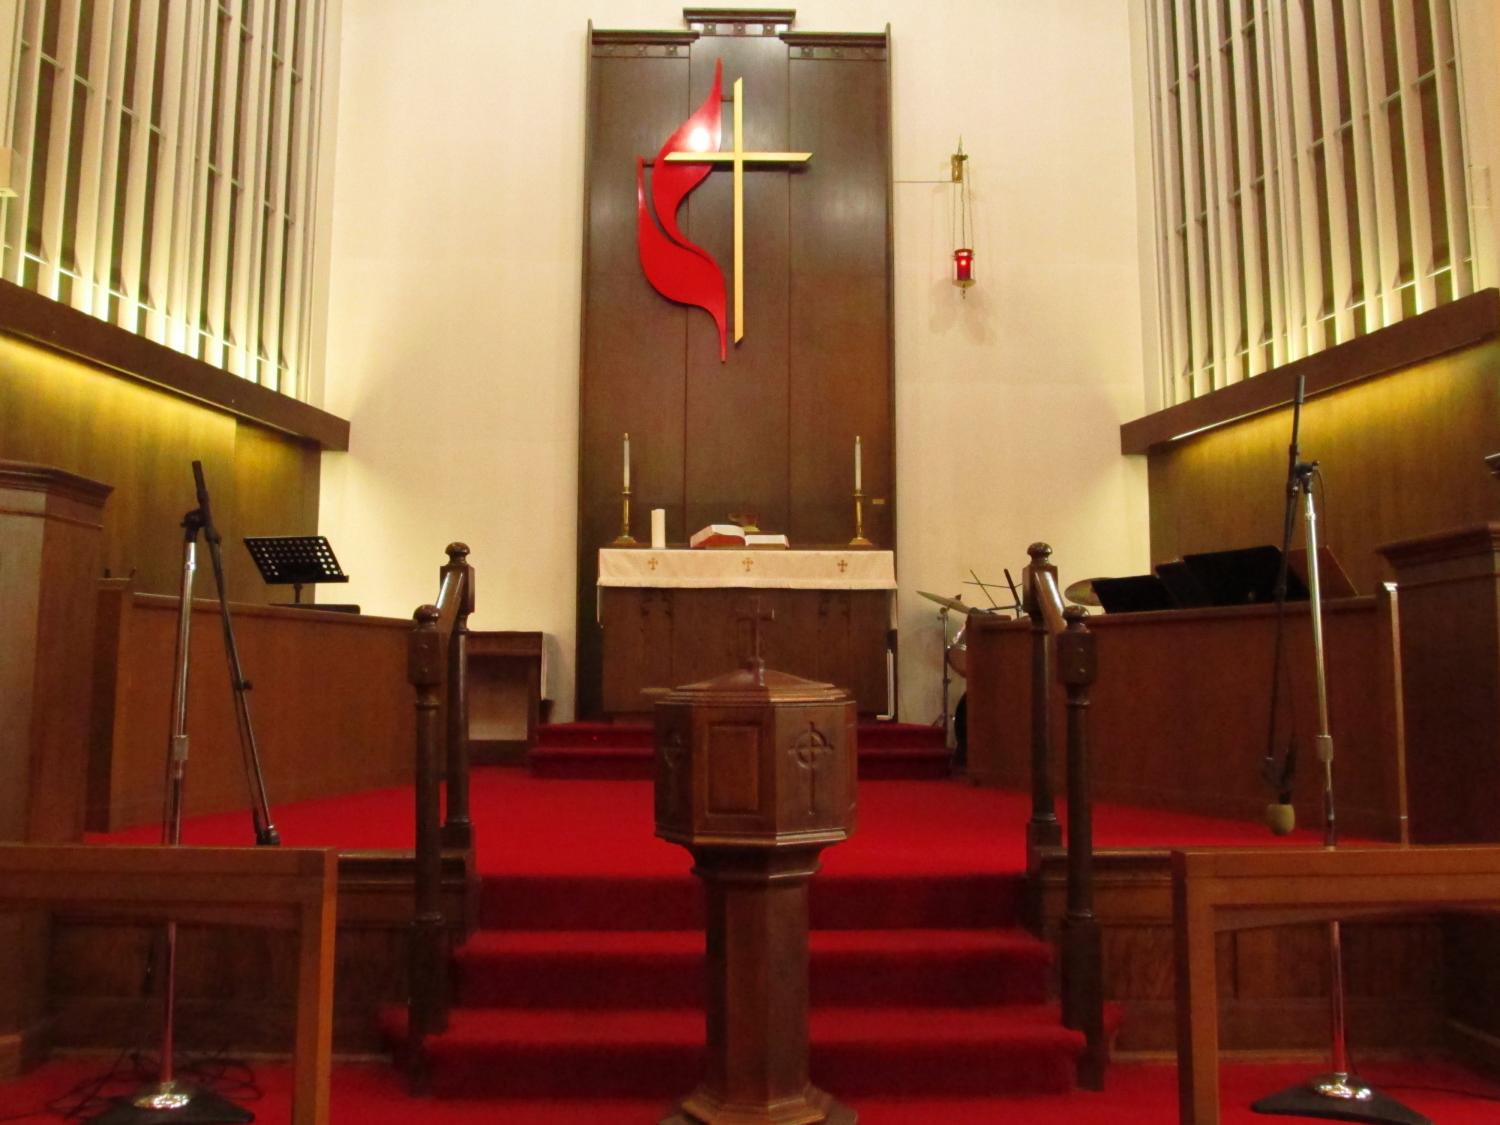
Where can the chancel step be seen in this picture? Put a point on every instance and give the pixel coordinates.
(665, 968)
(860, 1051)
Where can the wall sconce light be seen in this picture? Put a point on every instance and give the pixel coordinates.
(963, 222)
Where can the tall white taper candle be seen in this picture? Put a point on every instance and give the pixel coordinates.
(627, 460)
(858, 481)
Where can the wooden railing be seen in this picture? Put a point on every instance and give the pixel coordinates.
(1063, 634)
(437, 662)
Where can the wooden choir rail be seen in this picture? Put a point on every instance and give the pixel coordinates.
(1181, 710)
(1063, 634)
(270, 888)
(327, 718)
(437, 659)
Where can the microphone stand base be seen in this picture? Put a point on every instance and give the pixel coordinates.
(1339, 1097)
(172, 1103)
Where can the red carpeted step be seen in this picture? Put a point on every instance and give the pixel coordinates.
(675, 902)
(661, 968)
(506, 1052)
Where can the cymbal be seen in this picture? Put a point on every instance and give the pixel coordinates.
(1082, 592)
(950, 603)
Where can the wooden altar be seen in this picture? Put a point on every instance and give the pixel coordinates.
(669, 618)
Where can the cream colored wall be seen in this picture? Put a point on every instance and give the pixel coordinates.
(452, 341)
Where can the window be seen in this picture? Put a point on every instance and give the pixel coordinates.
(163, 165)
(1310, 178)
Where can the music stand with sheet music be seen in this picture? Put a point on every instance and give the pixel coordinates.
(297, 561)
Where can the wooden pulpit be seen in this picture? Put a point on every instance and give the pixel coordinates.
(50, 548)
(755, 775)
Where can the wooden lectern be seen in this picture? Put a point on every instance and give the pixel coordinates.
(50, 547)
(755, 776)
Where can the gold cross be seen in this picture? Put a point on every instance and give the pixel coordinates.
(747, 564)
(651, 563)
(843, 565)
(737, 158)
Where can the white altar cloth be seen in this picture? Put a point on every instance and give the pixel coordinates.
(749, 569)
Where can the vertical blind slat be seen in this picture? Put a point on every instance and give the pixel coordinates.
(1419, 203)
(1455, 185)
(59, 150)
(1340, 303)
(1364, 169)
(28, 82)
(1252, 264)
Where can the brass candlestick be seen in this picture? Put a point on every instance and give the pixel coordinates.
(624, 539)
(859, 539)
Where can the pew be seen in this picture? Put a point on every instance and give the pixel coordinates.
(273, 888)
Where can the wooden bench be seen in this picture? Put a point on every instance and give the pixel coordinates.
(272, 888)
(1218, 891)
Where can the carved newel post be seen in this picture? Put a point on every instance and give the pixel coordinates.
(755, 776)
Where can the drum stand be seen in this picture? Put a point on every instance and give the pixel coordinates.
(167, 1100)
(1339, 1094)
(947, 718)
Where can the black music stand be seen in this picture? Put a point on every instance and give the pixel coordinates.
(296, 561)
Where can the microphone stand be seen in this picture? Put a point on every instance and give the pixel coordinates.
(1340, 1093)
(168, 1100)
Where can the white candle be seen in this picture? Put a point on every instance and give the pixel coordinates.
(858, 480)
(658, 529)
(627, 460)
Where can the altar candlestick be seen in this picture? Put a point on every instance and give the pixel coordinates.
(627, 460)
(858, 482)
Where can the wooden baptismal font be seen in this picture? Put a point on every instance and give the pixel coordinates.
(755, 776)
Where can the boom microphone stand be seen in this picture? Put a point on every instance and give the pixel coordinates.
(167, 1100)
(1339, 1094)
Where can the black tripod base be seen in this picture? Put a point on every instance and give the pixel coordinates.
(202, 1109)
(1305, 1100)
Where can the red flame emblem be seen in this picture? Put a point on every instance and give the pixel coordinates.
(678, 269)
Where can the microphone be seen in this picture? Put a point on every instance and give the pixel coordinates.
(1281, 819)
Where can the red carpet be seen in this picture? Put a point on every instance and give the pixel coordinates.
(1136, 1095)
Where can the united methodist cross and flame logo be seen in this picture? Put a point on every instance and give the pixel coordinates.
(676, 267)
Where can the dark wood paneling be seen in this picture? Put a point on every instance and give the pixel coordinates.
(770, 432)
(59, 411)
(1180, 709)
(1402, 456)
(832, 636)
(234, 984)
(1273, 983)
(841, 361)
(736, 440)
(28, 316)
(1450, 655)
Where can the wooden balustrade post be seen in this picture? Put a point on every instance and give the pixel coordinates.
(458, 829)
(428, 939)
(1042, 830)
(1082, 969)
